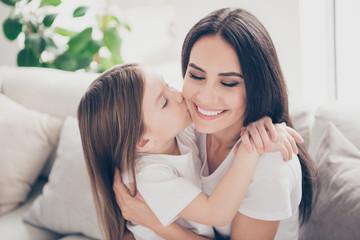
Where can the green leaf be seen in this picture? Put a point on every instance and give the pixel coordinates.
(10, 2)
(50, 3)
(105, 63)
(27, 58)
(34, 26)
(83, 62)
(80, 11)
(50, 44)
(92, 47)
(36, 43)
(49, 19)
(127, 27)
(66, 62)
(79, 41)
(64, 32)
(113, 41)
(12, 28)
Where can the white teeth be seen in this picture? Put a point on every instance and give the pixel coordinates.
(208, 113)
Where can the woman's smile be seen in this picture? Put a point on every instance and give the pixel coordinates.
(209, 114)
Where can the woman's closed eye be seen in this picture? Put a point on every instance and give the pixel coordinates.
(193, 76)
(232, 84)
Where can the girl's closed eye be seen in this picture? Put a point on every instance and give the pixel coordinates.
(165, 103)
(193, 76)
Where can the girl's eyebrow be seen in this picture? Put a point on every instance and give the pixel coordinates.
(227, 74)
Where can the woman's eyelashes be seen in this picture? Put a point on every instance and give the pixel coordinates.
(225, 84)
(229, 84)
(193, 76)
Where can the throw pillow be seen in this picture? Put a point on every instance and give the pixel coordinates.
(27, 137)
(66, 204)
(336, 214)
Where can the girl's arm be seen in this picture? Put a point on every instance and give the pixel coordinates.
(244, 227)
(135, 209)
(263, 132)
(221, 206)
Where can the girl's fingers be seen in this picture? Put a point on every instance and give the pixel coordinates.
(265, 138)
(256, 138)
(293, 144)
(271, 128)
(288, 150)
(295, 135)
(246, 141)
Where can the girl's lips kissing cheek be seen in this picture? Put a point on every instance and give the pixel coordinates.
(208, 114)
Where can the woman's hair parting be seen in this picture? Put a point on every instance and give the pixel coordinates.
(111, 123)
(265, 86)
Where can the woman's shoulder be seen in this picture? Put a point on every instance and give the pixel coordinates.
(272, 165)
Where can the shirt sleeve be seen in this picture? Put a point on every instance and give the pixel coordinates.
(165, 191)
(269, 196)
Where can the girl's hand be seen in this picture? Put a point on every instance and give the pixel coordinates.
(133, 209)
(262, 130)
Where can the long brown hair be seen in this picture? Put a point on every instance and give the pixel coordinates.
(111, 123)
(265, 86)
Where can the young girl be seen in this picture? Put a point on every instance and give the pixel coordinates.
(131, 120)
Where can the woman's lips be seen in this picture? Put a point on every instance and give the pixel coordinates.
(208, 114)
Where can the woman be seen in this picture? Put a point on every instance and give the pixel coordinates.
(232, 77)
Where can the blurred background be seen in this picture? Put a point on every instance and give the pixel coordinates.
(317, 40)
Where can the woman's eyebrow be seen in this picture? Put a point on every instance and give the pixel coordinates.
(229, 74)
(196, 67)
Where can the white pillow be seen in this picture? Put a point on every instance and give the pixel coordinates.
(27, 137)
(66, 205)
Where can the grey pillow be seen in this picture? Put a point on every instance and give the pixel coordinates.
(337, 212)
(66, 205)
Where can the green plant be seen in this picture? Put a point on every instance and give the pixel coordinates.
(33, 20)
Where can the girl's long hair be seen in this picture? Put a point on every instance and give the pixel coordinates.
(265, 86)
(111, 123)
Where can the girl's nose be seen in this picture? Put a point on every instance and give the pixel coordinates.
(179, 97)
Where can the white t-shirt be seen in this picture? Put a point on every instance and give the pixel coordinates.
(274, 193)
(168, 183)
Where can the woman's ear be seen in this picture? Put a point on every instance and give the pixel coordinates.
(144, 144)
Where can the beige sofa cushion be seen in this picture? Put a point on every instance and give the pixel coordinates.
(27, 137)
(66, 204)
(336, 214)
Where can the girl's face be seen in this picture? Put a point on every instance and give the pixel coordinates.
(165, 111)
(214, 88)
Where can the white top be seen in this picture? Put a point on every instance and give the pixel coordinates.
(168, 183)
(274, 193)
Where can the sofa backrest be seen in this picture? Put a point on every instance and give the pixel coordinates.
(51, 91)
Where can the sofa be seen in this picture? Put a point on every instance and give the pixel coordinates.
(44, 187)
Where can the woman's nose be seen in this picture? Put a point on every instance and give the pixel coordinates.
(207, 95)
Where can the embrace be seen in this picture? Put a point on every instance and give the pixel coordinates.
(219, 160)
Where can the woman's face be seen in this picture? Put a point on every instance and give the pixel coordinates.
(165, 111)
(214, 88)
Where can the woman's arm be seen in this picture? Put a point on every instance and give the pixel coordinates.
(243, 228)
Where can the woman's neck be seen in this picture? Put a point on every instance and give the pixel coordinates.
(226, 138)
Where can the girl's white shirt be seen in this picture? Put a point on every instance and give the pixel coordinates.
(168, 183)
(274, 193)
